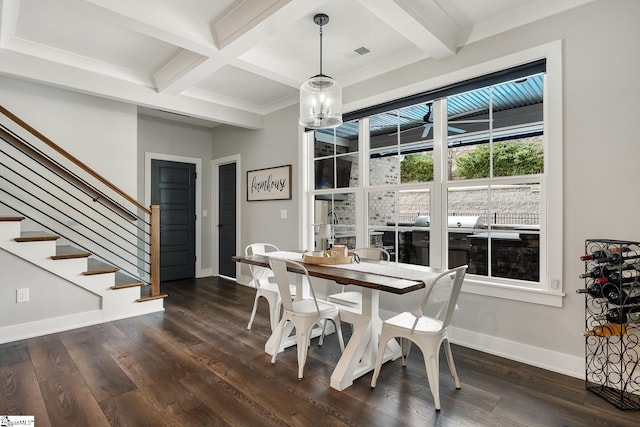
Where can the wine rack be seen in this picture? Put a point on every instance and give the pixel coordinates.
(612, 351)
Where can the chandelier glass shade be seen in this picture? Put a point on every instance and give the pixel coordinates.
(320, 95)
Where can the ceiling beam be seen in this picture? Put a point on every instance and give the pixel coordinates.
(237, 31)
(424, 23)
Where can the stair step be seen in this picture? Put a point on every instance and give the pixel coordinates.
(36, 236)
(99, 267)
(11, 218)
(69, 252)
(123, 281)
(152, 298)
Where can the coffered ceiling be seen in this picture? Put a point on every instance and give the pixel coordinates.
(233, 61)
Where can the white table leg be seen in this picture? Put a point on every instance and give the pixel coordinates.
(359, 355)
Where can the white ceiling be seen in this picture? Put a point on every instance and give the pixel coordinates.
(232, 61)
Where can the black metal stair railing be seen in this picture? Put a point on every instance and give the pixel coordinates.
(37, 184)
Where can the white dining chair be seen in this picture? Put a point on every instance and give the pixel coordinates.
(303, 312)
(354, 298)
(264, 287)
(426, 326)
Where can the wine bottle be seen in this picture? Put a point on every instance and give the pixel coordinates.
(617, 258)
(617, 296)
(608, 330)
(603, 270)
(620, 315)
(624, 276)
(593, 289)
(600, 253)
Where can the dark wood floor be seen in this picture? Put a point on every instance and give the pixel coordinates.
(197, 365)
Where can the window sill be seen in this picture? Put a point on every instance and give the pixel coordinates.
(515, 293)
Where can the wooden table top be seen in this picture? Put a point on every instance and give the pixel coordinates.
(343, 276)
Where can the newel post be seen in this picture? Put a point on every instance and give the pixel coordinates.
(155, 250)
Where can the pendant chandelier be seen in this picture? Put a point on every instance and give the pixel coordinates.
(320, 95)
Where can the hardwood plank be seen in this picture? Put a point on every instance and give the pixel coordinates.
(50, 358)
(70, 402)
(20, 393)
(132, 409)
(102, 374)
(13, 352)
(68, 252)
(158, 378)
(35, 236)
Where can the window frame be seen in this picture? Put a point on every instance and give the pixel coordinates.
(549, 290)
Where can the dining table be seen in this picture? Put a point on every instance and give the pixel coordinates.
(359, 355)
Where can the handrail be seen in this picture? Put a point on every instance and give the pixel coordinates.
(73, 159)
(63, 173)
(70, 177)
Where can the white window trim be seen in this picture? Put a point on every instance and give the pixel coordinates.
(550, 290)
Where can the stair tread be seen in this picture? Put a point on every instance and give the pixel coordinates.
(98, 267)
(11, 218)
(68, 252)
(152, 298)
(36, 236)
(124, 281)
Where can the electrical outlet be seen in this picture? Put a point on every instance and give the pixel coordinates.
(22, 295)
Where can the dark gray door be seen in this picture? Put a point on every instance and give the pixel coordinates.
(227, 219)
(173, 187)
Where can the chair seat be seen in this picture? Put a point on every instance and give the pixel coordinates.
(307, 306)
(426, 325)
(351, 298)
(273, 287)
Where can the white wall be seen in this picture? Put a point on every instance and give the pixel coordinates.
(276, 145)
(601, 153)
(99, 132)
(49, 296)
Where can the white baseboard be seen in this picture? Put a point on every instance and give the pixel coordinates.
(49, 326)
(540, 357)
(65, 323)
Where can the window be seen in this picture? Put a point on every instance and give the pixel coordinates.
(449, 177)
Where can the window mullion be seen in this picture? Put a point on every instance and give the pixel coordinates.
(438, 226)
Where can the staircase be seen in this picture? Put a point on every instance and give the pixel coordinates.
(120, 295)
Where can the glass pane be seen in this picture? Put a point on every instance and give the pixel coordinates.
(467, 225)
(383, 208)
(518, 128)
(338, 211)
(515, 235)
(386, 239)
(384, 169)
(417, 167)
(415, 218)
(469, 127)
(347, 136)
(518, 157)
(347, 171)
(416, 123)
(383, 130)
(324, 143)
(341, 140)
(324, 173)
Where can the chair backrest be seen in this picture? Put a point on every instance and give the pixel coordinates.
(377, 254)
(280, 270)
(440, 299)
(259, 274)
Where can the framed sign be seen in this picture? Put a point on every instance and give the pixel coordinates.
(269, 184)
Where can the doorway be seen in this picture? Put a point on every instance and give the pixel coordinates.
(227, 207)
(173, 188)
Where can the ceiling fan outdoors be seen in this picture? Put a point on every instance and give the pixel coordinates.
(427, 123)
